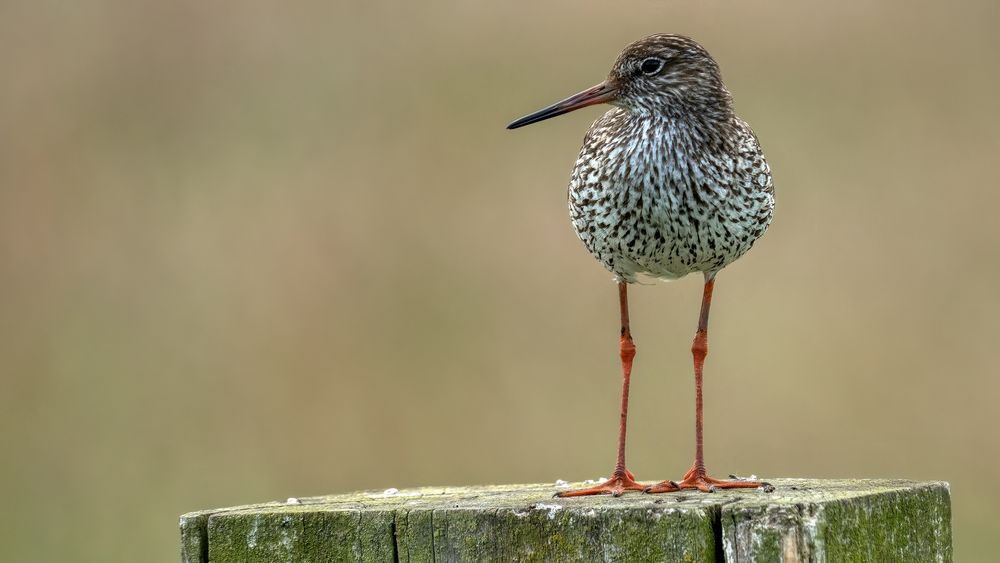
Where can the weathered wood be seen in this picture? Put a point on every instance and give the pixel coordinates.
(802, 520)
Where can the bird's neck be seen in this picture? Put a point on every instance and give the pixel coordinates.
(712, 112)
(694, 130)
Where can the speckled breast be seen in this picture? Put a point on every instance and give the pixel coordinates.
(647, 196)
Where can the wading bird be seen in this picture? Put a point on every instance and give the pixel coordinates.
(669, 182)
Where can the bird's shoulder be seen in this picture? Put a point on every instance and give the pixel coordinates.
(750, 156)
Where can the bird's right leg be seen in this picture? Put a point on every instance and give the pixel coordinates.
(697, 477)
(622, 479)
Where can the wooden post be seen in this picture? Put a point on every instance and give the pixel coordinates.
(802, 520)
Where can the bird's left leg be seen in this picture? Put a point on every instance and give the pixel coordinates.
(697, 477)
(622, 479)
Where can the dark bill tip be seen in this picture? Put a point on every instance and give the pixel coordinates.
(599, 94)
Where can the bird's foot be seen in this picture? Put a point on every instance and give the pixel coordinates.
(696, 478)
(619, 482)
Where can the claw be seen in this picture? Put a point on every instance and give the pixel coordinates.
(663, 487)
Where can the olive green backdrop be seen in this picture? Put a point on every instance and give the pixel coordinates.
(254, 250)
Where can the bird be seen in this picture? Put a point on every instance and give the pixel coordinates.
(668, 182)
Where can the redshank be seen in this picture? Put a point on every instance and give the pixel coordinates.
(669, 181)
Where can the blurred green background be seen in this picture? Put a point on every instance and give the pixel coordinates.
(256, 250)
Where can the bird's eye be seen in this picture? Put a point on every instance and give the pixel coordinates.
(652, 65)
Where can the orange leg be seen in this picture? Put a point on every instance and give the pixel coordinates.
(622, 479)
(697, 477)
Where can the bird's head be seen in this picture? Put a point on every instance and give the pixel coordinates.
(663, 74)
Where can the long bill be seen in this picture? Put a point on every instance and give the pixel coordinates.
(599, 94)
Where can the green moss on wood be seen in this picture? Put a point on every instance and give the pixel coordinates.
(803, 520)
(194, 537)
(848, 520)
(894, 526)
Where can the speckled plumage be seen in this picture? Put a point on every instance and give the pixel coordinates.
(670, 181)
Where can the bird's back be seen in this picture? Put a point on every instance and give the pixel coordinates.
(656, 195)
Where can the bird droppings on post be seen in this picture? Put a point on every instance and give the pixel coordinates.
(551, 508)
(391, 492)
(252, 535)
